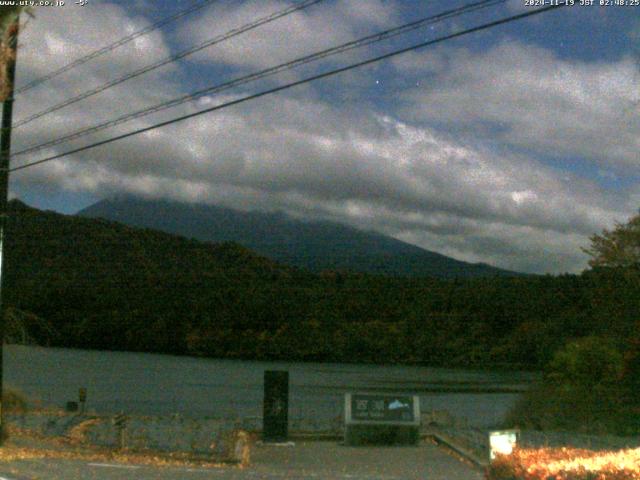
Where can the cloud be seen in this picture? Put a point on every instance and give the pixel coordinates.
(356, 162)
(52, 43)
(303, 32)
(527, 97)
(530, 249)
(315, 160)
(47, 43)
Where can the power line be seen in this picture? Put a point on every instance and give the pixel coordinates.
(268, 72)
(96, 53)
(218, 39)
(367, 40)
(370, 61)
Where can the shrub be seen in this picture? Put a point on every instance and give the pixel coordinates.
(581, 391)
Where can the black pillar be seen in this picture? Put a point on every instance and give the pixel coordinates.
(275, 423)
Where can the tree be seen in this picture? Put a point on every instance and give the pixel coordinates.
(619, 247)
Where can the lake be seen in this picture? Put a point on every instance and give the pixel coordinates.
(150, 384)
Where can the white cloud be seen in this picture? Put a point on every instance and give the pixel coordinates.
(303, 32)
(314, 160)
(526, 96)
(52, 39)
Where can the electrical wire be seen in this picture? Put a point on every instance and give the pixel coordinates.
(361, 42)
(118, 43)
(173, 58)
(369, 61)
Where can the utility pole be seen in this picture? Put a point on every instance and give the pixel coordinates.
(5, 153)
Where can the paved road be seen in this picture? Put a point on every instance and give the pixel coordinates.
(305, 460)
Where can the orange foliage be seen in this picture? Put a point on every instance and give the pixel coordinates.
(566, 464)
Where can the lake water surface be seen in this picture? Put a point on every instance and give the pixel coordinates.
(140, 383)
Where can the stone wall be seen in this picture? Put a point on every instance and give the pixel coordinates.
(216, 438)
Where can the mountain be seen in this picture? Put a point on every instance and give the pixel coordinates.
(79, 282)
(315, 246)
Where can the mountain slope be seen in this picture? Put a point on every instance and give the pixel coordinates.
(101, 284)
(316, 246)
(91, 283)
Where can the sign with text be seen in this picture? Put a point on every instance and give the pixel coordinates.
(381, 409)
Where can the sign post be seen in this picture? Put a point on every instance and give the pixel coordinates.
(120, 422)
(82, 398)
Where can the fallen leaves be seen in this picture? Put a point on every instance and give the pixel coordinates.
(60, 448)
(566, 464)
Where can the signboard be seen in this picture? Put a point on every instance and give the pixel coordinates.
(502, 442)
(380, 409)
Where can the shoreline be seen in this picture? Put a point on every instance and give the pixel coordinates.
(528, 370)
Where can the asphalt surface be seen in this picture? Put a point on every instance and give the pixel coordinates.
(304, 460)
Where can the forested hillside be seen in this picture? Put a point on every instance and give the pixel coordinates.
(99, 284)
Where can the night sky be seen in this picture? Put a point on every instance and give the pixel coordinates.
(510, 146)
